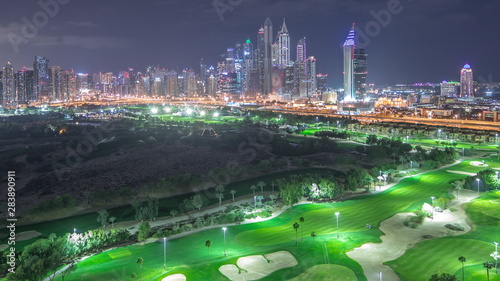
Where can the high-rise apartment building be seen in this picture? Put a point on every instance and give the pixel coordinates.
(466, 82)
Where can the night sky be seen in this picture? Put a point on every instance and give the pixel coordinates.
(428, 41)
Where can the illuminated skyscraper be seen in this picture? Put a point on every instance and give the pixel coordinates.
(247, 65)
(24, 85)
(354, 69)
(466, 82)
(259, 59)
(42, 80)
(268, 60)
(283, 46)
(55, 83)
(360, 73)
(9, 91)
(349, 46)
(301, 50)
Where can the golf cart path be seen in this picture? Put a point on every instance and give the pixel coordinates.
(399, 238)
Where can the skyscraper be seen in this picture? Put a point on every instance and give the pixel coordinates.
(268, 60)
(248, 65)
(42, 81)
(259, 59)
(349, 46)
(466, 82)
(360, 73)
(283, 47)
(24, 85)
(55, 83)
(301, 50)
(354, 69)
(9, 91)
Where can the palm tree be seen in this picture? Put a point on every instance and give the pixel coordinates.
(488, 266)
(272, 197)
(233, 192)
(462, 259)
(112, 221)
(140, 261)
(313, 234)
(302, 228)
(261, 184)
(219, 196)
(296, 226)
(208, 244)
(253, 188)
(220, 188)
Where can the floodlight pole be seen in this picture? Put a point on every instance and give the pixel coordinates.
(337, 215)
(224, 229)
(164, 253)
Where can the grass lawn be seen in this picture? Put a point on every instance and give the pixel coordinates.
(476, 246)
(189, 256)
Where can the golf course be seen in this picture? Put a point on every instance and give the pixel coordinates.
(190, 256)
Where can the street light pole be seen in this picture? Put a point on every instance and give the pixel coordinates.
(337, 215)
(380, 276)
(255, 201)
(478, 180)
(164, 253)
(224, 229)
(432, 205)
(496, 257)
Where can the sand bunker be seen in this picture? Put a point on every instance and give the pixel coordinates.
(257, 267)
(399, 238)
(175, 277)
(461, 172)
(478, 164)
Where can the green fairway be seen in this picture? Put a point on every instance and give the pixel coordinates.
(327, 272)
(278, 234)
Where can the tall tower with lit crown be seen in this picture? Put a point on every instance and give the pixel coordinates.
(268, 60)
(349, 46)
(283, 46)
(9, 91)
(466, 82)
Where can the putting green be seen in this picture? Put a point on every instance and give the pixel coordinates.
(327, 272)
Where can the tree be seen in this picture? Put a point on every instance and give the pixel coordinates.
(52, 237)
(144, 230)
(296, 226)
(301, 219)
(290, 193)
(208, 243)
(112, 221)
(443, 277)
(488, 266)
(220, 188)
(153, 206)
(313, 235)
(140, 262)
(174, 212)
(133, 276)
(233, 192)
(102, 218)
(38, 260)
(462, 259)
(261, 184)
(458, 185)
(273, 184)
(219, 196)
(253, 188)
(197, 202)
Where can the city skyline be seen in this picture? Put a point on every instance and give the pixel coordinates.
(81, 40)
